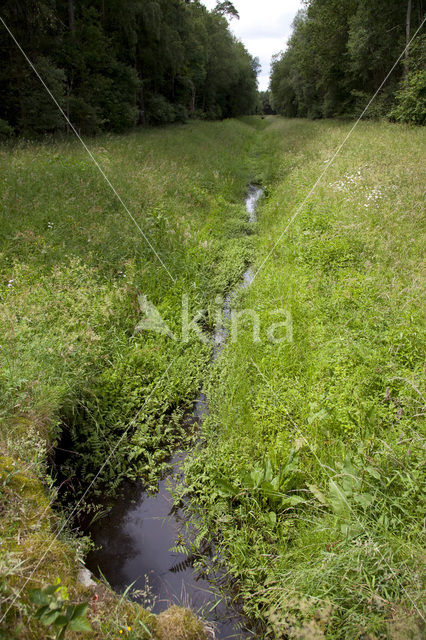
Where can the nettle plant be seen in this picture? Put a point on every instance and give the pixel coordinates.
(54, 610)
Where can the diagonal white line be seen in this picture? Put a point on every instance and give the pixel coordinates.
(302, 435)
(336, 153)
(107, 180)
(108, 458)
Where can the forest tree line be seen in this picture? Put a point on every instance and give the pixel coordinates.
(112, 64)
(339, 53)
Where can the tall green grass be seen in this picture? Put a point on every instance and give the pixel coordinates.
(312, 480)
(310, 476)
(72, 369)
(73, 265)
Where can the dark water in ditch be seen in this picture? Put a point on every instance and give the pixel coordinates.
(134, 540)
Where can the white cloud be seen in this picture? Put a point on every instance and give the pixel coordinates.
(264, 27)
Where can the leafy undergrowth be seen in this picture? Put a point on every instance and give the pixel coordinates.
(311, 480)
(75, 267)
(75, 369)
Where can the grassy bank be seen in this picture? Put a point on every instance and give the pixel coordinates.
(311, 479)
(74, 371)
(310, 476)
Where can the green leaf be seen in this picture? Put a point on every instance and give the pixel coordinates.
(79, 624)
(42, 611)
(49, 618)
(51, 589)
(373, 472)
(80, 610)
(350, 480)
(268, 490)
(69, 611)
(276, 481)
(320, 415)
(257, 477)
(61, 621)
(267, 471)
(337, 499)
(37, 596)
(246, 480)
(292, 501)
(272, 516)
(225, 488)
(364, 499)
(317, 493)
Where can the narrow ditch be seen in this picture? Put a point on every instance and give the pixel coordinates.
(134, 541)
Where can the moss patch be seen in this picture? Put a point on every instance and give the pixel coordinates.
(180, 624)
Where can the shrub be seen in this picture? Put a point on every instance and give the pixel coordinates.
(5, 129)
(181, 113)
(114, 92)
(159, 110)
(40, 113)
(84, 116)
(411, 100)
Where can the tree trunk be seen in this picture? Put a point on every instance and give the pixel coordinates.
(407, 38)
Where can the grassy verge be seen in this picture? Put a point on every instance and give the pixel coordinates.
(73, 370)
(312, 477)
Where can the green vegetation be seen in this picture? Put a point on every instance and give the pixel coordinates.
(55, 610)
(114, 64)
(340, 53)
(73, 369)
(307, 476)
(311, 477)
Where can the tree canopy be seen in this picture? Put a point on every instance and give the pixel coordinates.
(115, 63)
(341, 51)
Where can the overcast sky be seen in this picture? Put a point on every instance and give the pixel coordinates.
(264, 27)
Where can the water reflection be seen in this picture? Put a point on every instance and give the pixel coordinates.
(134, 541)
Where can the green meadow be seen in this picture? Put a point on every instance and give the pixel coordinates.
(308, 473)
(311, 479)
(74, 372)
